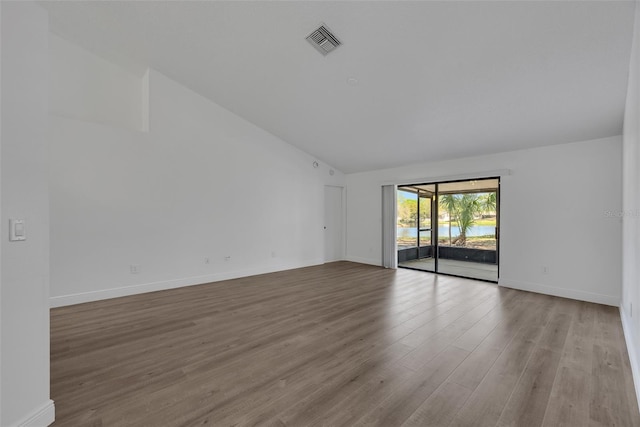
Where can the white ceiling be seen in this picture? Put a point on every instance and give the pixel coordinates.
(436, 80)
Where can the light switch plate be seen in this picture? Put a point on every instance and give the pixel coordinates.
(17, 231)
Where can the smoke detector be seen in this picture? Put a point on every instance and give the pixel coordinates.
(323, 40)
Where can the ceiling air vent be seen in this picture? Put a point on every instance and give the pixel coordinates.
(323, 40)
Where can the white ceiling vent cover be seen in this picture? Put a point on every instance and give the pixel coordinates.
(323, 40)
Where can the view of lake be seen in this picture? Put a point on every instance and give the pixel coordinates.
(443, 230)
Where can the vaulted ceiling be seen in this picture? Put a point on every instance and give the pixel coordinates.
(413, 81)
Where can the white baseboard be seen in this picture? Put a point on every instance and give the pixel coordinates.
(116, 292)
(561, 292)
(369, 261)
(631, 350)
(42, 417)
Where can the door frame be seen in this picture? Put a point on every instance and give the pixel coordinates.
(343, 219)
(435, 225)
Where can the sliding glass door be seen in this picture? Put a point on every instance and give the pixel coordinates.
(450, 227)
(416, 235)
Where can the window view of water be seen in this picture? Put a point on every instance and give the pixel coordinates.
(443, 230)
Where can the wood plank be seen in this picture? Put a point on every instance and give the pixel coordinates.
(529, 399)
(440, 408)
(403, 402)
(509, 301)
(340, 344)
(487, 402)
(436, 343)
(528, 402)
(472, 371)
(569, 400)
(609, 407)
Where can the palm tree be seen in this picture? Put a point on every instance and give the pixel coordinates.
(489, 202)
(448, 202)
(469, 205)
(464, 208)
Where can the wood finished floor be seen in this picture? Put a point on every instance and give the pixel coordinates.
(342, 344)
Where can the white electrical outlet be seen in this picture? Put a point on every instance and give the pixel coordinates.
(207, 260)
(545, 269)
(134, 269)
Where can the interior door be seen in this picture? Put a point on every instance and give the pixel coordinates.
(333, 224)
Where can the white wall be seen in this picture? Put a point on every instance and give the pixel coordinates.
(86, 87)
(24, 313)
(554, 209)
(202, 183)
(631, 209)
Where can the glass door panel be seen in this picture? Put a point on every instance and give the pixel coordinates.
(424, 227)
(467, 243)
(407, 236)
(415, 231)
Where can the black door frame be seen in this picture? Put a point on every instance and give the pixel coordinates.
(435, 224)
